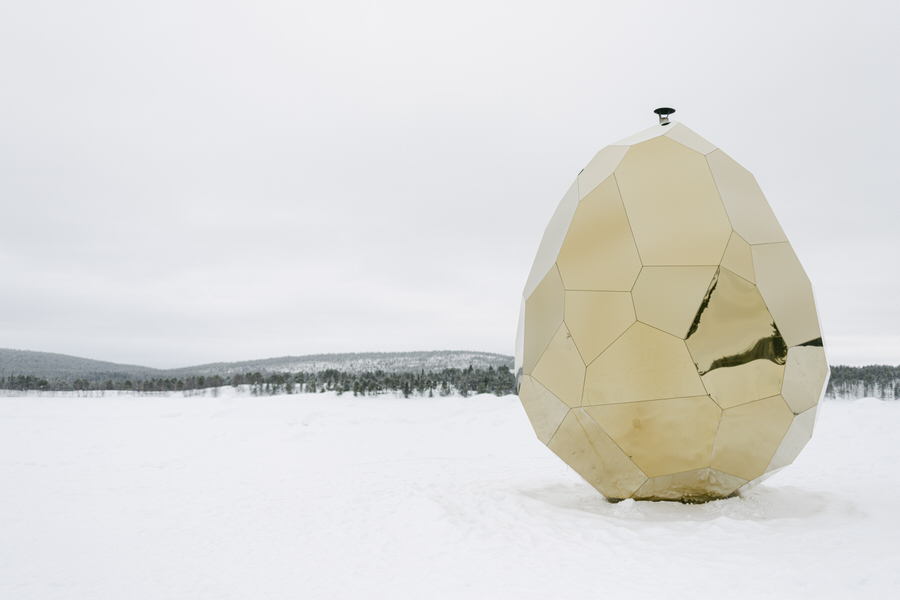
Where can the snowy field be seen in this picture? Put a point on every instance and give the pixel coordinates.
(321, 496)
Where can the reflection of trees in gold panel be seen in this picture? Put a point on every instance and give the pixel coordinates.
(669, 337)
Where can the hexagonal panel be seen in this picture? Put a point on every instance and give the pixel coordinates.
(561, 369)
(544, 410)
(544, 311)
(668, 297)
(596, 319)
(798, 434)
(672, 204)
(552, 240)
(749, 435)
(585, 447)
(662, 436)
(747, 208)
(643, 364)
(738, 259)
(599, 252)
(787, 292)
(804, 377)
(599, 169)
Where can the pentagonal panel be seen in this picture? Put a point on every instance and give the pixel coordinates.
(798, 434)
(698, 485)
(738, 259)
(672, 204)
(553, 238)
(744, 383)
(745, 204)
(599, 252)
(804, 377)
(687, 137)
(599, 169)
(643, 136)
(668, 297)
(787, 292)
(544, 410)
(748, 436)
(560, 369)
(662, 436)
(643, 364)
(585, 447)
(596, 319)
(543, 315)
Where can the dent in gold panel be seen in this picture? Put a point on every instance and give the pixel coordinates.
(744, 383)
(585, 447)
(668, 297)
(543, 316)
(544, 410)
(787, 292)
(804, 377)
(553, 238)
(796, 438)
(699, 485)
(738, 259)
(662, 436)
(747, 208)
(733, 327)
(643, 364)
(749, 435)
(686, 137)
(596, 319)
(561, 369)
(599, 169)
(672, 204)
(599, 252)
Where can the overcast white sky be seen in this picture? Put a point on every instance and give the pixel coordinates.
(188, 182)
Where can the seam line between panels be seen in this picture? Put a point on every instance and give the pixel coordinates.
(716, 440)
(718, 191)
(613, 440)
(607, 348)
(563, 322)
(663, 399)
(628, 219)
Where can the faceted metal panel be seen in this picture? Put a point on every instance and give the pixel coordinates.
(662, 436)
(749, 435)
(787, 292)
(738, 258)
(805, 376)
(561, 369)
(599, 252)
(553, 238)
(690, 486)
(596, 319)
(747, 208)
(687, 137)
(543, 315)
(544, 410)
(798, 434)
(591, 453)
(599, 169)
(672, 204)
(667, 320)
(668, 297)
(643, 364)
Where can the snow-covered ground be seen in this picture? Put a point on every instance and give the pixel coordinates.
(320, 496)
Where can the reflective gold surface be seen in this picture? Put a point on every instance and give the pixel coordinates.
(599, 252)
(749, 435)
(662, 436)
(747, 208)
(596, 319)
(669, 334)
(787, 291)
(543, 315)
(544, 410)
(672, 203)
(643, 364)
(591, 453)
(684, 288)
(561, 369)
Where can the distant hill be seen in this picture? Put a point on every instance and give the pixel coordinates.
(61, 367)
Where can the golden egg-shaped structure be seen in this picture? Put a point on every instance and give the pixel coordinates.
(668, 344)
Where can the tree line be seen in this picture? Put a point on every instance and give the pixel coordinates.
(872, 381)
(499, 381)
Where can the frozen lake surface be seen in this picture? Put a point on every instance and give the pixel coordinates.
(324, 496)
